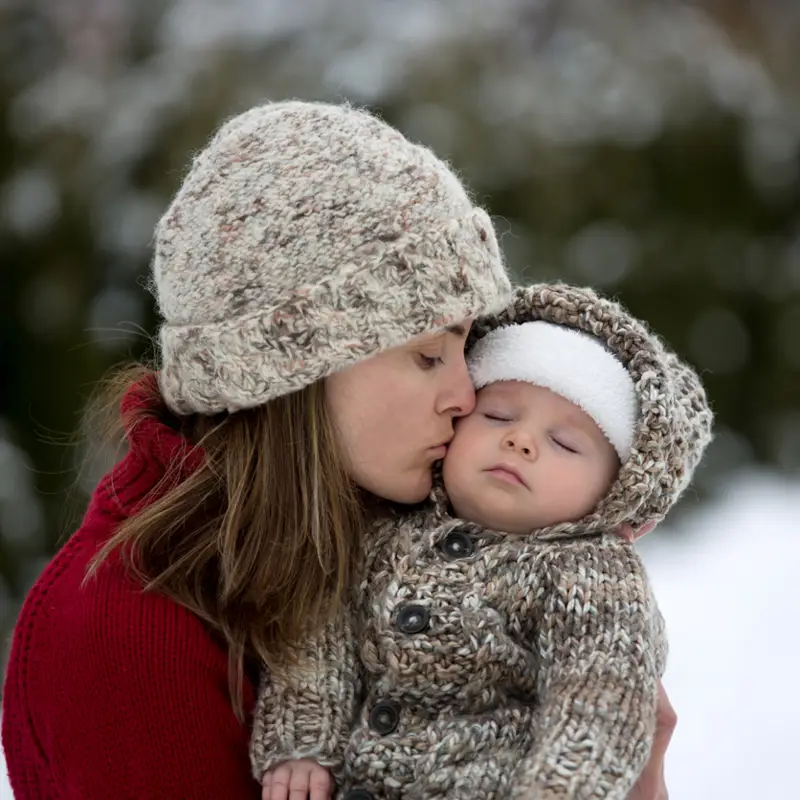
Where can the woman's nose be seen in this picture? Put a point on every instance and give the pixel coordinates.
(459, 399)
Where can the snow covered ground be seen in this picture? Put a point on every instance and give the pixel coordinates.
(728, 586)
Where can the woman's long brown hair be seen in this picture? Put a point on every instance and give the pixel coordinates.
(261, 541)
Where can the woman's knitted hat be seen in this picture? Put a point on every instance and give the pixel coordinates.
(674, 421)
(307, 237)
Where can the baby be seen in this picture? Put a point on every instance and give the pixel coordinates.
(554, 419)
(509, 644)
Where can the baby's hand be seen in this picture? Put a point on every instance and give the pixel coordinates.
(297, 780)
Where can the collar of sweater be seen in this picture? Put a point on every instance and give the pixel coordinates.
(158, 457)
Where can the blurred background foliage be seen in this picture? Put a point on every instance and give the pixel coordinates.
(648, 148)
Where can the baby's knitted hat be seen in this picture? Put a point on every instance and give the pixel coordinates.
(569, 363)
(307, 237)
(673, 424)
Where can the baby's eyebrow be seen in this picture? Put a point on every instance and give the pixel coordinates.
(574, 427)
(492, 398)
(573, 424)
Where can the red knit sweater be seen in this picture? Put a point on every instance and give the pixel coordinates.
(115, 693)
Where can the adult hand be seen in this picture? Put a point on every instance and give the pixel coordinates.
(651, 784)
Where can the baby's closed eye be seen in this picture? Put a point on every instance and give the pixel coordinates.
(497, 416)
(565, 444)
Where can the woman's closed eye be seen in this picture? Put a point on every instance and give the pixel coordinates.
(427, 362)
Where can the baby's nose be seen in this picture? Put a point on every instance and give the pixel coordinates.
(521, 444)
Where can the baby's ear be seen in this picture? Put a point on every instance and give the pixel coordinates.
(632, 534)
(644, 530)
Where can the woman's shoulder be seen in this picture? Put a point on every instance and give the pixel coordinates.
(81, 627)
(102, 673)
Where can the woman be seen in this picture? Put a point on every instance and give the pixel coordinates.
(316, 273)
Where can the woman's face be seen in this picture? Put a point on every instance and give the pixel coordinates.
(394, 412)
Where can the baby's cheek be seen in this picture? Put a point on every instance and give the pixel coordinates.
(461, 452)
(588, 494)
(449, 470)
(454, 473)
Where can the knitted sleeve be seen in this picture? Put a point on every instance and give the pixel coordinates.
(306, 709)
(601, 648)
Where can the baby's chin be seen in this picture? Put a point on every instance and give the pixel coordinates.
(511, 527)
(495, 520)
(470, 506)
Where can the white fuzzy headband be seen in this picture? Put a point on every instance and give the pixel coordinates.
(569, 363)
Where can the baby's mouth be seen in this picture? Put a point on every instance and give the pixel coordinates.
(508, 474)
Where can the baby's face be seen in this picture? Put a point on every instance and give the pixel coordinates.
(527, 458)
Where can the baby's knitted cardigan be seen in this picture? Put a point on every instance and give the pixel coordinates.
(477, 664)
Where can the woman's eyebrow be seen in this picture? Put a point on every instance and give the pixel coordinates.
(458, 330)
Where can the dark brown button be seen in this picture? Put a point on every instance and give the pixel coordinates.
(457, 544)
(359, 794)
(384, 717)
(413, 619)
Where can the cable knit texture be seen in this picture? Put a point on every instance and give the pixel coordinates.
(307, 237)
(500, 666)
(298, 691)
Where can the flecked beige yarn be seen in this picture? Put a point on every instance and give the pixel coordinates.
(307, 237)
(477, 664)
